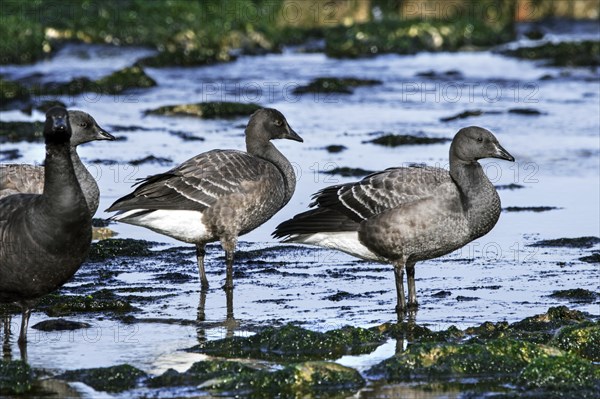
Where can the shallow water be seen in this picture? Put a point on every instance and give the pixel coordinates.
(498, 276)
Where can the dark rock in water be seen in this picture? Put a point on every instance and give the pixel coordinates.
(348, 172)
(525, 111)
(186, 136)
(442, 294)
(98, 222)
(293, 343)
(535, 33)
(16, 377)
(464, 115)
(116, 247)
(175, 277)
(529, 208)
(395, 140)
(98, 161)
(340, 296)
(107, 379)
(554, 318)
(152, 159)
(13, 132)
(9, 155)
(511, 186)
(335, 148)
(450, 74)
(462, 298)
(46, 105)
(576, 295)
(593, 258)
(207, 110)
(581, 242)
(60, 325)
(574, 53)
(335, 85)
(100, 301)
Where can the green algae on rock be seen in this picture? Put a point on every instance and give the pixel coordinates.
(292, 343)
(132, 77)
(16, 377)
(579, 242)
(11, 91)
(99, 301)
(124, 79)
(117, 247)
(200, 372)
(13, 132)
(497, 359)
(575, 295)
(571, 54)
(566, 373)
(313, 377)
(582, 339)
(334, 85)
(107, 379)
(207, 110)
(395, 140)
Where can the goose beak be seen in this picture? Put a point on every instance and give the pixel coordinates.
(501, 153)
(60, 123)
(104, 135)
(292, 135)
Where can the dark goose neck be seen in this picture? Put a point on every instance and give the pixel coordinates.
(479, 198)
(267, 151)
(61, 188)
(88, 184)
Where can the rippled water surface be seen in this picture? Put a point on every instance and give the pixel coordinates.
(498, 276)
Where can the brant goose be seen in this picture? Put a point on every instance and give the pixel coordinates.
(217, 195)
(45, 237)
(407, 214)
(29, 179)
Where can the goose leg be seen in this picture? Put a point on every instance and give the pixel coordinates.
(399, 274)
(200, 253)
(229, 296)
(412, 291)
(201, 316)
(24, 325)
(229, 272)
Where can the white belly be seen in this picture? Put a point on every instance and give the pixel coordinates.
(186, 226)
(346, 241)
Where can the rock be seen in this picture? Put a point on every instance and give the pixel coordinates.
(463, 115)
(441, 294)
(107, 379)
(348, 172)
(292, 343)
(560, 373)
(511, 186)
(118, 247)
(554, 318)
(16, 377)
(207, 110)
(576, 295)
(395, 140)
(200, 372)
(9, 155)
(571, 54)
(582, 339)
(529, 208)
(13, 132)
(498, 359)
(152, 159)
(335, 148)
(593, 258)
(334, 85)
(12, 91)
(525, 111)
(580, 242)
(60, 325)
(99, 301)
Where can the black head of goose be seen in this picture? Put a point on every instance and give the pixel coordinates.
(44, 238)
(217, 195)
(29, 179)
(407, 214)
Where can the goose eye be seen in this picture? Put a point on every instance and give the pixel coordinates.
(480, 139)
(84, 124)
(278, 122)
